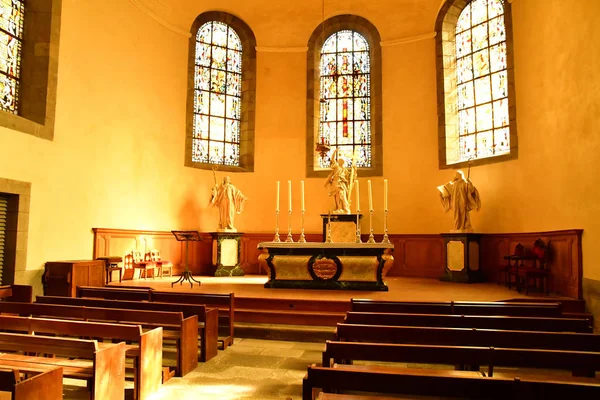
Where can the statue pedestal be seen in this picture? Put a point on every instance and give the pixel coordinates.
(226, 253)
(462, 258)
(343, 227)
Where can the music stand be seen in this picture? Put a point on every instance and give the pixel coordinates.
(186, 236)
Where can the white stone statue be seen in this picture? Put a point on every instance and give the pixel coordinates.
(230, 201)
(339, 183)
(461, 196)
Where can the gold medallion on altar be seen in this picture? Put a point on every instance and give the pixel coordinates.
(323, 268)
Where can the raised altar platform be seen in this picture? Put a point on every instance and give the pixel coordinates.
(346, 266)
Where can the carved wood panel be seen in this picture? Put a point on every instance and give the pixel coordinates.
(418, 255)
(565, 266)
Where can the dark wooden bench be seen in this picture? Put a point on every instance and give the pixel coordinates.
(20, 293)
(578, 362)
(461, 384)
(579, 325)
(459, 307)
(146, 352)
(175, 326)
(207, 317)
(225, 303)
(468, 337)
(114, 293)
(47, 385)
(103, 368)
(335, 396)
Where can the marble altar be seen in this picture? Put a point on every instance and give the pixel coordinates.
(314, 265)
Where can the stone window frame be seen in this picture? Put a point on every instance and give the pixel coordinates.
(39, 71)
(248, 91)
(17, 228)
(445, 50)
(318, 37)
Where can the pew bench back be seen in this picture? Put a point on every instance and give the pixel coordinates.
(548, 324)
(459, 307)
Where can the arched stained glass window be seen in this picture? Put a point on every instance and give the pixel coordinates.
(476, 72)
(345, 99)
(481, 70)
(12, 13)
(217, 95)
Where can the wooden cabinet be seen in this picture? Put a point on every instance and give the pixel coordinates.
(61, 278)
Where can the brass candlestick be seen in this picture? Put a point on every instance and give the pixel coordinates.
(358, 239)
(302, 237)
(289, 238)
(386, 239)
(371, 237)
(276, 238)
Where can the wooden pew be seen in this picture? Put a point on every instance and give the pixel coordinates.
(459, 307)
(462, 384)
(146, 353)
(186, 335)
(335, 396)
(114, 293)
(207, 317)
(105, 373)
(468, 337)
(20, 293)
(225, 303)
(47, 385)
(580, 363)
(579, 325)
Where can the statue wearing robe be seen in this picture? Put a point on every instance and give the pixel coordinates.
(340, 182)
(461, 196)
(230, 201)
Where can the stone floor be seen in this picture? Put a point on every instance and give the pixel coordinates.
(251, 369)
(256, 369)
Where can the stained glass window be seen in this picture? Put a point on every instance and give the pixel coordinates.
(482, 83)
(217, 95)
(345, 94)
(11, 37)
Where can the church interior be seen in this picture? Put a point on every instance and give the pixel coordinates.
(101, 152)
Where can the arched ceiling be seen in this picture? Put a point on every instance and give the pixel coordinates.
(279, 23)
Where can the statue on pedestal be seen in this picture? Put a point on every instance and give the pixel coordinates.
(340, 182)
(230, 201)
(461, 196)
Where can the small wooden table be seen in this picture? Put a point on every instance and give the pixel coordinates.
(112, 264)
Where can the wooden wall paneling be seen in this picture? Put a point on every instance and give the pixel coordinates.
(565, 263)
(250, 252)
(418, 256)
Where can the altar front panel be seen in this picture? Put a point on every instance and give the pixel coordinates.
(346, 266)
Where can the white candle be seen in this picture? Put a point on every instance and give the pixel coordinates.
(385, 194)
(357, 198)
(277, 203)
(370, 195)
(302, 196)
(290, 196)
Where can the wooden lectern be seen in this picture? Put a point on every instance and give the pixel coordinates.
(186, 236)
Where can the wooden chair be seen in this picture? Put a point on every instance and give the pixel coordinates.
(162, 265)
(135, 260)
(538, 272)
(514, 262)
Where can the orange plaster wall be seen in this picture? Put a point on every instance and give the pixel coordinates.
(117, 157)
(553, 183)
